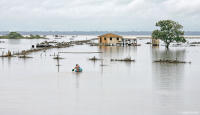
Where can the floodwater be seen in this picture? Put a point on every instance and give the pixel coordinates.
(36, 86)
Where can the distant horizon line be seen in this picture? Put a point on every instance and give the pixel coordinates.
(82, 31)
(90, 32)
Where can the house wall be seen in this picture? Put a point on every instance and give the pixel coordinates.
(108, 41)
(155, 42)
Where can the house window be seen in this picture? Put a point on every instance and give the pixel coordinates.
(110, 38)
(118, 39)
(104, 38)
(100, 39)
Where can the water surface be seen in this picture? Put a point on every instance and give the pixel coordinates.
(37, 86)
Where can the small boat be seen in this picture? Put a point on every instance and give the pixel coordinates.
(80, 70)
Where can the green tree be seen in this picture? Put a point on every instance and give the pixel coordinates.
(170, 31)
(37, 36)
(32, 36)
(14, 35)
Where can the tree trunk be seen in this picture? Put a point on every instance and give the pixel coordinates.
(167, 45)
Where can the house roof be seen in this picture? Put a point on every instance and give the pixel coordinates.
(110, 35)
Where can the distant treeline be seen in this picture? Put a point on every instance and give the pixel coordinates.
(90, 32)
(17, 35)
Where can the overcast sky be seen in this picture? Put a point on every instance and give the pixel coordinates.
(96, 15)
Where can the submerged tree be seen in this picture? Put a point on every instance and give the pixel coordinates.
(169, 32)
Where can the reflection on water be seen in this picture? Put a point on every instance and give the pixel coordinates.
(119, 52)
(168, 82)
(178, 54)
(14, 41)
(168, 76)
(77, 79)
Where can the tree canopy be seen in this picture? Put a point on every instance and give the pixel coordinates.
(14, 35)
(170, 31)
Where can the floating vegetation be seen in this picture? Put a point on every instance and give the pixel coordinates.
(93, 44)
(94, 59)
(24, 56)
(178, 45)
(6, 56)
(79, 43)
(192, 45)
(136, 44)
(170, 61)
(103, 65)
(43, 45)
(148, 43)
(53, 41)
(25, 52)
(63, 45)
(125, 59)
(195, 43)
(58, 57)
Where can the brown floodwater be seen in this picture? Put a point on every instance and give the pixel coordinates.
(36, 86)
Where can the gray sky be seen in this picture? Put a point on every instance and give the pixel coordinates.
(96, 15)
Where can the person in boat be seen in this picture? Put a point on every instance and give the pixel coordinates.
(77, 68)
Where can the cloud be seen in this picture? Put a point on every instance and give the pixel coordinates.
(126, 15)
(183, 7)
